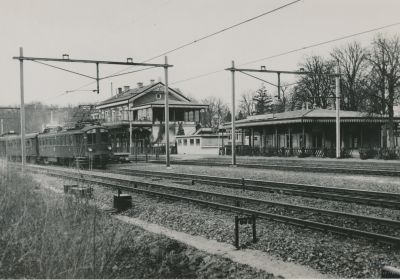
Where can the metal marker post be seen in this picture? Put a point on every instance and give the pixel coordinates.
(337, 78)
(237, 232)
(253, 221)
(233, 116)
(166, 114)
(22, 110)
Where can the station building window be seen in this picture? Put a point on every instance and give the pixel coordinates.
(197, 142)
(184, 142)
(179, 141)
(191, 142)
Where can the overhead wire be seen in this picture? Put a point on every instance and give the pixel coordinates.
(64, 69)
(291, 51)
(224, 29)
(255, 77)
(215, 33)
(320, 43)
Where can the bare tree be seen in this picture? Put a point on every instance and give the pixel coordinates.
(353, 63)
(384, 57)
(246, 103)
(216, 114)
(316, 88)
(284, 103)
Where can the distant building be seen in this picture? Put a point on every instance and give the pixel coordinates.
(143, 108)
(204, 141)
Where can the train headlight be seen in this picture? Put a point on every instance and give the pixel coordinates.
(90, 149)
(109, 148)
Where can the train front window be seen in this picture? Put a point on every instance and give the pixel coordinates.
(91, 136)
(104, 135)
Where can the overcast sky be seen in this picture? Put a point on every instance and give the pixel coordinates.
(115, 30)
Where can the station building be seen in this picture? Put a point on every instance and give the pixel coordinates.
(143, 108)
(313, 130)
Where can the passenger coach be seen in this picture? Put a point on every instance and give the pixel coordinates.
(88, 145)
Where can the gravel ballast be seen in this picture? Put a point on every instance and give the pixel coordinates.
(328, 253)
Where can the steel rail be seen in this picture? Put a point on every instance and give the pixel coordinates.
(386, 199)
(270, 216)
(290, 167)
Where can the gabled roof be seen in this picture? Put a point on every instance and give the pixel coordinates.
(127, 94)
(136, 92)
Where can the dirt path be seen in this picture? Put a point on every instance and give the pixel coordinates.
(253, 258)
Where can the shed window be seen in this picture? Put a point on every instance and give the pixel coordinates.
(197, 142)
(191, 142)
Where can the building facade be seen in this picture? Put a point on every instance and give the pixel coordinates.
(142, 109)
(313, 130)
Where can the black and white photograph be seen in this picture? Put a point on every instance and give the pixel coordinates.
(200, 139)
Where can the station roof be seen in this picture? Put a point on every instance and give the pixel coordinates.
(311, 116)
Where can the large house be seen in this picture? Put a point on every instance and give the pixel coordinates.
(143, 108)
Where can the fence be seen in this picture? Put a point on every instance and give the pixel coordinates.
(287, 152)
(364, 153)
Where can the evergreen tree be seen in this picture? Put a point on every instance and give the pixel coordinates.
(263, 101)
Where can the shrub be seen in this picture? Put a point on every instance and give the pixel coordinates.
(367, 153)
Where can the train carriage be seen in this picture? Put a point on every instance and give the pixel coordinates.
(10, 146)
(85, 146)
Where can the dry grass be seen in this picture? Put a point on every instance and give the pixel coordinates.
(45, 235)
(53, 238)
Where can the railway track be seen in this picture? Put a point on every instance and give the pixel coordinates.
(313, 218)
(349, 168)
(373, 198)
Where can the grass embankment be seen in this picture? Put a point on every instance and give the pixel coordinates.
(45, 235)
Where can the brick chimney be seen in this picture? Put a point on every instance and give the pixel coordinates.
(152, 81)
(119, 90)
(126, 88)
(140, 85)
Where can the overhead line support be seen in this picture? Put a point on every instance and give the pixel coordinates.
(66, 58)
